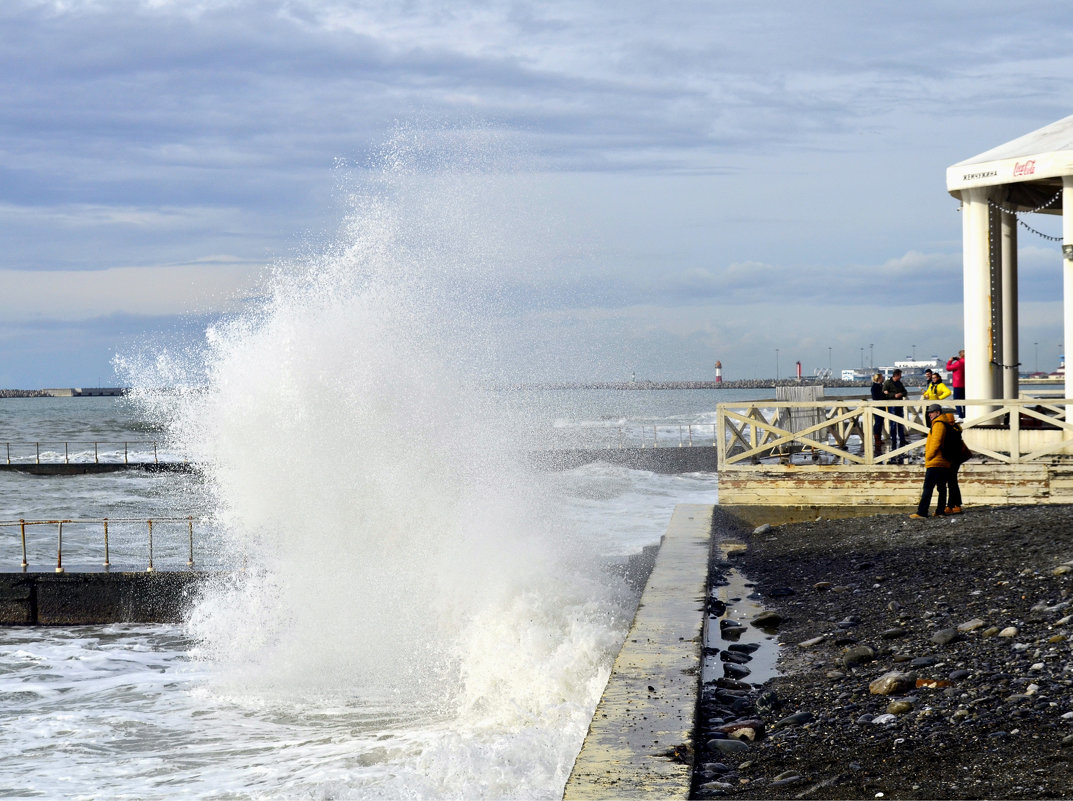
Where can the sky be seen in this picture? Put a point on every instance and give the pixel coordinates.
(754, 183)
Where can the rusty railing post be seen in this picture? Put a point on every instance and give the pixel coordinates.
(59, 548)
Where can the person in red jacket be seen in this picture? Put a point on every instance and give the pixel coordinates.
(956, 366)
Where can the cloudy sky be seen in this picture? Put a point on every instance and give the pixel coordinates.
(758, 183)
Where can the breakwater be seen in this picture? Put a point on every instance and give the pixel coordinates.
(88, 597)
(742, 383)
(86, 468)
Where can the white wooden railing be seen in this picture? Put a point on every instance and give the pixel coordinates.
(839, 431)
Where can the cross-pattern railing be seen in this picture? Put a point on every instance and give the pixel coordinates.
(841, 431)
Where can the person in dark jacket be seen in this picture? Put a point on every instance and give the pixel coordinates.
(877, 421)
(894, 389)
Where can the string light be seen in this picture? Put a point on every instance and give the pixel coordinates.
(1026, 226)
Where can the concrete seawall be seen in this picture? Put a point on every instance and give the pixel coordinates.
(83, 598)
(84, 468)
(639, 743)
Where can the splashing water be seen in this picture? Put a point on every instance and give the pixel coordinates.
(397, 553)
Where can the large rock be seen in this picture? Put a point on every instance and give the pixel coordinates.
(891, 682)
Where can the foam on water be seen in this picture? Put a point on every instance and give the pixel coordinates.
(400, 563)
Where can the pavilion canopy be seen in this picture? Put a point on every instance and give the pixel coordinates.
(1031, 166)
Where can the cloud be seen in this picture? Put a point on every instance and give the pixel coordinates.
(697, 158)
(208, 286)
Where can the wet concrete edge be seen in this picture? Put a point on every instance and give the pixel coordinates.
(94, 598)
(639, 743)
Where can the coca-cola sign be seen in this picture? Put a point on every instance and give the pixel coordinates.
(1024, 167)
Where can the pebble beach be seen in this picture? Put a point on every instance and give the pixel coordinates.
(917, 659)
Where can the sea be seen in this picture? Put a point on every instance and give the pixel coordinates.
(483, 693)
(438, 656)
(401, 604)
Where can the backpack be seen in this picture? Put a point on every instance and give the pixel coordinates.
(953, 448)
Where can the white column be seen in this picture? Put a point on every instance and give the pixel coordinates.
(1010, 344)
(976, 251)
(1067, 282)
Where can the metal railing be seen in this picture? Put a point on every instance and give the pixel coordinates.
(186, 524)
(840, 431)
(31, 452)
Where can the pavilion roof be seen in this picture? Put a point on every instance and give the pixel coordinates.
(1032, 165)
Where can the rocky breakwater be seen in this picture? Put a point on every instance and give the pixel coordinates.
(918, 659)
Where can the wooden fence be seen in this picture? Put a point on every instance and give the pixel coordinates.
(840, 431)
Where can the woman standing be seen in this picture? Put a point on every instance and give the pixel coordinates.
(956, 366)
(877, 421)
(936, 390)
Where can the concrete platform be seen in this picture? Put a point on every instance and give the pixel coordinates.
(100, 597)
(88, 468)
(639, 743)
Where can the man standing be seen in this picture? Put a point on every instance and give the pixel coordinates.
(894, 389)
(956, 366)
(927, 381)
(936, 466)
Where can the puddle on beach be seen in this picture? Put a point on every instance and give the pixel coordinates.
(756, 650)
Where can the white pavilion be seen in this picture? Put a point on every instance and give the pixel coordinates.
(1031, 174)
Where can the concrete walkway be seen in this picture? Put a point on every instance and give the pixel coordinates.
(639, 743)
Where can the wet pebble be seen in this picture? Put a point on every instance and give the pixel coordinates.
(946, 636)
(733, 671)
(891, 682)
(796, 719)
(727, 746)
(787, 777)
(716, 787)
(767, 620)
(857, 655)
(734, 656)
(743, 647)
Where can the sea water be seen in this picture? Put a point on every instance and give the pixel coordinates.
(166, 711)
(128, 711)
(406, 607)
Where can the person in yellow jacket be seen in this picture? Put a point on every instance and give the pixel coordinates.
(936, 389)
(937, 469)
